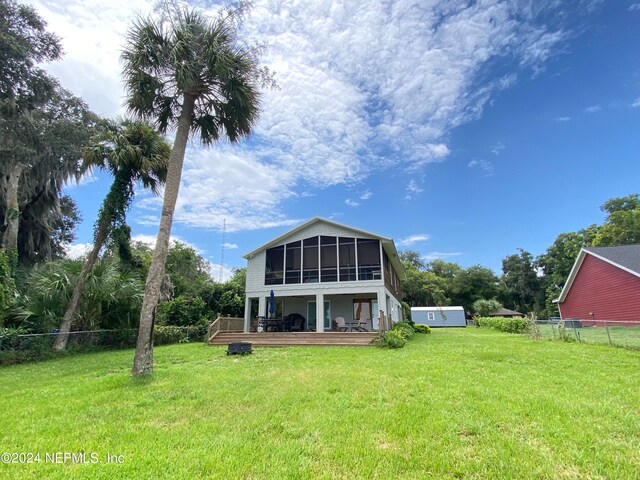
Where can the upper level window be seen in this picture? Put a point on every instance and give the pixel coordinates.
(347, 249)
(274, 266)
(310, 271)
(293, 268)
(368, 259)
(328, 259)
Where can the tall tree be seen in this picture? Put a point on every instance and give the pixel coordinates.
(473, 283)
(622, 225)
(23, 87)
(187, 72)
(521, 286)
(132, 152)
(42, 153)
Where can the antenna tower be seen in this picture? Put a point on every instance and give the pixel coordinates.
(224, 234)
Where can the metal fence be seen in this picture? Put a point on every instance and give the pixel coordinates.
(17, 348)
(605, 332)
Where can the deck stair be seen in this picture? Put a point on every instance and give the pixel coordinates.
(279, 339)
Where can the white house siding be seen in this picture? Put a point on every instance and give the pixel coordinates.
(297, 295)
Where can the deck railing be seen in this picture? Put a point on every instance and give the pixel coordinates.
(225, 324)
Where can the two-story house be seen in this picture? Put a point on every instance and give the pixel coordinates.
(323, 270)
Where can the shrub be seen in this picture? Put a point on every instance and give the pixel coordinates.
(183, 312)
(420, 328)
(486, 307)
(405, 329)
(504, 324)
(9, 337)
(168, 334)
(393, 339)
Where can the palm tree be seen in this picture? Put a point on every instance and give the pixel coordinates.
(187, 72)
(133, 152)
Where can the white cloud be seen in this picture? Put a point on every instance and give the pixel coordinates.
(593, 109)
(412, 189)
(441, 255)
(77, 250)
(413, 239)
(366, 195)
(634, 6)
(230, 246)
(498, 148)
(150, 241)
(364, 86)
(563, 119)
(215, 274)
(636, 103)
(351, 202)
(483, 165)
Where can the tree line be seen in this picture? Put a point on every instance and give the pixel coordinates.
(184, 73)
(527, 284)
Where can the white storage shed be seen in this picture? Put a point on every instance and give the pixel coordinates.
(439, 316)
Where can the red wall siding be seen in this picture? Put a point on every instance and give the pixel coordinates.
(604, 289)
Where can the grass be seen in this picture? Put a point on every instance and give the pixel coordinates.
(470, 403)
(628, 337)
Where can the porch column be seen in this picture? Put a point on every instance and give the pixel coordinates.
(262, 305)
(382, 305)
(319, 312)
(247, 314)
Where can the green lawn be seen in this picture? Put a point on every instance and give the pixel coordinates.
(470, 403)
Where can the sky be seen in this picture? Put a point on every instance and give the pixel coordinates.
(464, 130)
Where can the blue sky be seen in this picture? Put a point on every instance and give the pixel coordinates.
(463, 130)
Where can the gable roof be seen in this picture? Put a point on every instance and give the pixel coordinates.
(502, 312)
(625, 257)
(387, 243)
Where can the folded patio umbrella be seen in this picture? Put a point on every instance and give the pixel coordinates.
(272, 304)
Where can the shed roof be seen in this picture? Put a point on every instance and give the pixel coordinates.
(503, 312)
(625, 257)
(424, 309)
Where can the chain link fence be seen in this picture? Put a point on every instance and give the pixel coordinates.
(17, 348)
(605, 332)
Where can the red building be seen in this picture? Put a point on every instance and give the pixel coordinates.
(603, 286)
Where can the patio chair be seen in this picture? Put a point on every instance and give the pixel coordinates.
(297, 322)
(341, 325)
(363, 323)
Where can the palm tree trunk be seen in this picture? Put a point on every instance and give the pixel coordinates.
(72, 307)
(143, 360)
(12, 213)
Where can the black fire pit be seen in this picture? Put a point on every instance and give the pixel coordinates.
(239, 348)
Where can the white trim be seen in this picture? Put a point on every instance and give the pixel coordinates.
(299, 228)
(576, 268)
(387, 242)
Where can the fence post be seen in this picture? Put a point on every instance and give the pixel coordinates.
(606, 325)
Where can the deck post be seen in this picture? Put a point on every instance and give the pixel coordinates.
(262, 306)
(320, 312)
(247, 314)
(382, 305)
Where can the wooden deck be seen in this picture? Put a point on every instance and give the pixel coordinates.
(278, 339)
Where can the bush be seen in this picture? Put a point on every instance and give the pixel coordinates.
(168, 334)
(9, 338)
(393, 339)
(405, 329)
(420, 328)
(504, 324)
(183, 312)
(486, 307)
